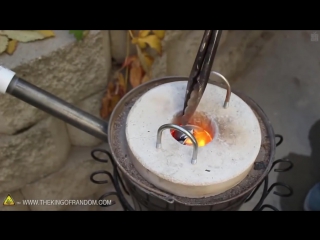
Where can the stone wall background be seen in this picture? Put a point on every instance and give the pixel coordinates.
(42, 157)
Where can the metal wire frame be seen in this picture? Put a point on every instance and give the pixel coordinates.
(119, 186)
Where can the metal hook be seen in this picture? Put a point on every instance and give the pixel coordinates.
(97, 173)
(93, 155)
(107, 195)
(290, 165)
(228, 95)
(279, 184)
(182, 130)
(115, 181)
(268, 206)
(280, 139)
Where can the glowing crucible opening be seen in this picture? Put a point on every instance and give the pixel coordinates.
(199, 125)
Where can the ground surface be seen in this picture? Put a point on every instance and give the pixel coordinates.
(284, 81)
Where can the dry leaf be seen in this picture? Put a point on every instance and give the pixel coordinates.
(144, 33)
(46, 33)
(136, 73)
(142, 60)
(159, 33)
(145, 60)
(109, 102)
(140, 42)
(122, 84)
(153, 41)
(3, 43)
(134, 32)
(145, 78)
(85, 33)
(12, 46)
(106, 102)
(148, 59)
(25, 35)
(128, 61)
(136, 63)
(116, 90)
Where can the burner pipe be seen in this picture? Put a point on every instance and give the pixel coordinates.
(52, 105)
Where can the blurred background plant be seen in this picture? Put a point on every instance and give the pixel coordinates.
(9, 39)
(135, 70)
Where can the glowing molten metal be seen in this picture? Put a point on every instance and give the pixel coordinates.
(202, 137)
(199, 126)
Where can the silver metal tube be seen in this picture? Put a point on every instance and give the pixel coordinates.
(58, 108)
(228, 95)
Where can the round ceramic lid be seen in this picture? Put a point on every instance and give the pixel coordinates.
(221, 164)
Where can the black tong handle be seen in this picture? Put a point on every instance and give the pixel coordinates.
(200, 72)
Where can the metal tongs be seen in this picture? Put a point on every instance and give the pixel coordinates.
(200, 73)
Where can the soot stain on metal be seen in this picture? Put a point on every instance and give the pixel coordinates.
(119, 145)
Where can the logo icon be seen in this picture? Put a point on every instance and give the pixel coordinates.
(8, 201)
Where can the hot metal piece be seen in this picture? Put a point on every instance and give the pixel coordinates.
(180, 136)
(185, 132)
(200, 72)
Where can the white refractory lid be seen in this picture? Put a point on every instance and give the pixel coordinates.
(221, 164)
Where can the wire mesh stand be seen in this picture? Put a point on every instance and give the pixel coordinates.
(260, 206)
